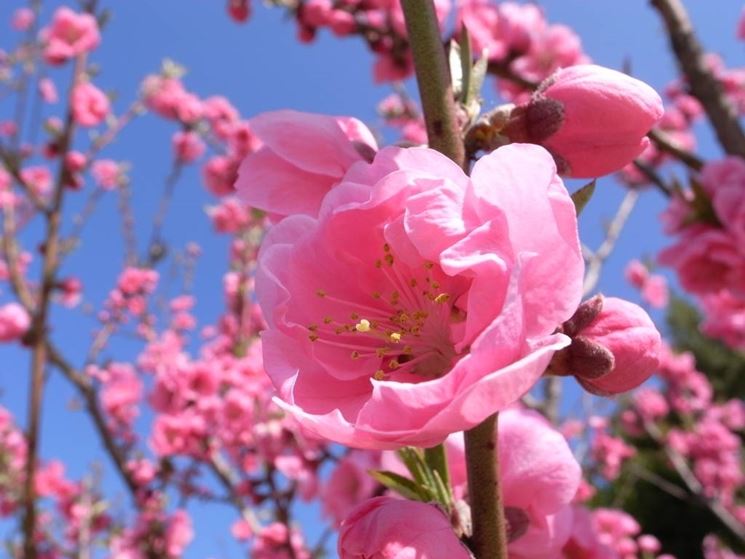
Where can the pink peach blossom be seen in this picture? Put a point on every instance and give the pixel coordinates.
(219, 175)
(349, 484)
(14, 322)
(707, 259)
(187, 146)
(90, 105)
(592, 119)
(420, 301)
(106, 173)
(724, 317)
(70, 34)
(302, 157)
(22, 19)
(724, 181)
(655, 292)
(48, 90)
(389, 528)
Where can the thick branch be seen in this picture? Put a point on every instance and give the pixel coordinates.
(38, 331)
(489, 540)
(433, 79)
(703, 84)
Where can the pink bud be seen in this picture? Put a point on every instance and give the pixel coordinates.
(187, 146)
(14, 321)
(592, 119)
(626, 330)
(239, 10)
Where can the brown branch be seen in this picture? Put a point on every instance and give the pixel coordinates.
(702, 82)
(38, 332)
(664, 143)
(489, 539)
(503, 69)
(228, 480)
(88, 394)
(433, 79)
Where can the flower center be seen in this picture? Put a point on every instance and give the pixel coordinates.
(405, 326)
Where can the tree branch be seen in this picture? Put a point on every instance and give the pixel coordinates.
(702, 82)
(489, 539)
(433, 79)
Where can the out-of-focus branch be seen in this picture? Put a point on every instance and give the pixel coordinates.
(654, 177)
(666, 144)
(702, 82)
(694, 485)
(228, 480)
(598, 258)
(37, 333)
(87, 392)
(503, 70)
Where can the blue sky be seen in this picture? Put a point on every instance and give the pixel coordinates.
(261, 66)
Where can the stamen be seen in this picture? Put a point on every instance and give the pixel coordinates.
(363, 325)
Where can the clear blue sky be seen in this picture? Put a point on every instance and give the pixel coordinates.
(260, 66)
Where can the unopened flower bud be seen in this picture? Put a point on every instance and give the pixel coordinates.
(592, 119)
(625, 331)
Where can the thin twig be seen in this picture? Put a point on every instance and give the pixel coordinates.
(598, 258)
(702, 82)
(668, 145)
(87, 392)
(694, 485)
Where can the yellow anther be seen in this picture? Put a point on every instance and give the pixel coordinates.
(327, 320)
(313, 327)
(442, 298)
(395, 337)
(363, 325)
(379, 375)
(313, 337)
(408, 350)
(389, 259)
(429, 265)
(394, 364)
(381, 351)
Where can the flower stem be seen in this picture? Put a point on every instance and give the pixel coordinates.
(433, 79)
(489, 539)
